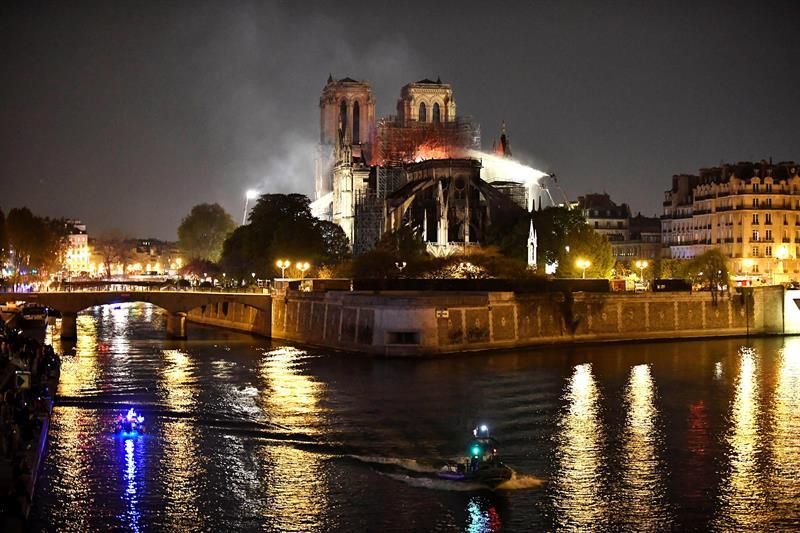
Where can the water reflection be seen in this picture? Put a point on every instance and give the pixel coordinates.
(642, 506)
(785, 439)
(742, 492)
(80, 372)
(183, 472)
(482, 516)
(578, 500)
(132, 476)
(297, 478)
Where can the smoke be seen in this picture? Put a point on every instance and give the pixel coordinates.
(502, 168)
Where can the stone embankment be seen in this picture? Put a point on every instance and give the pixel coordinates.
(28, 378)
(437, 322)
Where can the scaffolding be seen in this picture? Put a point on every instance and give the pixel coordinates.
(397, 143)
(370, 206)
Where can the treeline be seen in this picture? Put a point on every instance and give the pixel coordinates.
(279, 226)
(31, 245)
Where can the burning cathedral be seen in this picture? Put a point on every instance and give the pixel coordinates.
(421, 167)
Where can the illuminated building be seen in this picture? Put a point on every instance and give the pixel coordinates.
(749, 211)
(374, 176)
(78, 256)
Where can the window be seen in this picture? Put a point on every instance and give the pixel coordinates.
(423, 112)
(767, 218)
(769, 202)
(356, 124)
(343, 117)
(755, 251)
(768, 235)
(755, 202)
(768, 251)
(785, 221)
(755, 235)
(436, 113)
(596, 224)
(755, 187)
(768, 187)
(755, 218)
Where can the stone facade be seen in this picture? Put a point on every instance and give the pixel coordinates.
(750, 211)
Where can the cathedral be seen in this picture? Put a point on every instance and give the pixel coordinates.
(421, 167)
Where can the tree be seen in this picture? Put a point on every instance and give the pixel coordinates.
(34, 240)
(113, 247)
(204, 230)
(710, 271)
(553, 226)
(585, 243)
(3, 237)
(281, 227)
(335, 242)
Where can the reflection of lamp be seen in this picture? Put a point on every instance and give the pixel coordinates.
(583, 264)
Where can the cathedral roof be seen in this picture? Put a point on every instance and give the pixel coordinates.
(426, 81)
(349, 80)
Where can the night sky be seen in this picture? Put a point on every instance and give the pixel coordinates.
(125, 114)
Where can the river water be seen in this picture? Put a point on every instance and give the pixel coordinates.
(245, 434)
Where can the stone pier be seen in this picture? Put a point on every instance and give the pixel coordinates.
(69, 325)
(176, 325)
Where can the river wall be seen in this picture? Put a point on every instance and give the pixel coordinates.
(232, 315)
(417, 323)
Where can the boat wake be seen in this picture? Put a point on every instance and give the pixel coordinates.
(419, 474)
(411, 465)
(520, 481)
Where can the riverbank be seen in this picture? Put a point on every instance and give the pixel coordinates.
(30, 373)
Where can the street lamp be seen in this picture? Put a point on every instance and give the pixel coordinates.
(400, 265)
(641, 264)
(283, 264)
(249, 195)
(302, 267)
(583, 264)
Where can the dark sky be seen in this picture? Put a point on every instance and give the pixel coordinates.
(125, 114)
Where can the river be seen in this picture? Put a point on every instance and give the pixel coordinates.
(245, 434)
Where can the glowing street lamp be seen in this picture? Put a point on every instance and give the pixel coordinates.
(400, 265)
(283, 264)
(583, 264)
(641, 264)
(302, 267)
(249, 195)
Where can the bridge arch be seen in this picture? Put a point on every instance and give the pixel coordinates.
(177, 304)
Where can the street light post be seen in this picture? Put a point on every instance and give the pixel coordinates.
(249, 195)
(641, 264)
(583, 264)
(283, 264)
(302, 267)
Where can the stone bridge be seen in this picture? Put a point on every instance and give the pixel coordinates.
(176, 303)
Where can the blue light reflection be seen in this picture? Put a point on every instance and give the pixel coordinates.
(132, 466)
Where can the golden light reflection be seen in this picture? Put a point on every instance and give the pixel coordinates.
(642, 502)
(742, 492)
(181, 451)
(578, 500)
(291, 397)
(784, 485)
(297, 478)
(81, 371)
(73, 448)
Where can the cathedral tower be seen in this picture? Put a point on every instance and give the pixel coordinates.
(346, 115)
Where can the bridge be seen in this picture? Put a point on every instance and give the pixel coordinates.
(176, 303)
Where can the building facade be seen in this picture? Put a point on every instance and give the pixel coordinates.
(750, 211)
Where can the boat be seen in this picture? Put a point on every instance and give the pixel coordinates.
(33, 315)
(129, 423)
(482, 466)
